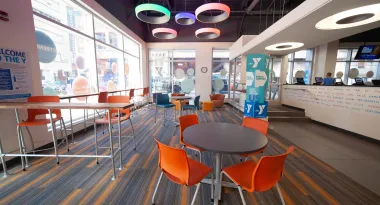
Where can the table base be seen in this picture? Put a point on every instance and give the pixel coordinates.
(224, 183)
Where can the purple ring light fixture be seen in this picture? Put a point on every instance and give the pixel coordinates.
(207, 33)
(202, 12)
(164, 33)
(185, 18)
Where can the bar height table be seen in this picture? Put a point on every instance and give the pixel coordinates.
(180, 99)
(223, 138)
(50, 106)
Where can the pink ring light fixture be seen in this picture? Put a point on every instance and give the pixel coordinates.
(207, 33)
(164, 33)
(201, 11)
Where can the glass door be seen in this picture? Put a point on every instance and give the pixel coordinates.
(274, 81)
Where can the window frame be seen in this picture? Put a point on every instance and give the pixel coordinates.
(291, 62)
(351, 60)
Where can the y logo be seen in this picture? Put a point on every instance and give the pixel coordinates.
(261, 107)
(249, 108)
(256, 62)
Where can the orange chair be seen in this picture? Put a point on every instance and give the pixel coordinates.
(258, 125)
(132, 98)
(258, 177)
(180, 169)
(217, 100)
(144, 95)
(125, 114)
(32, 121)
(185, 122)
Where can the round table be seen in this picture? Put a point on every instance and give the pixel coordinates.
(224, 138)
(180, 99)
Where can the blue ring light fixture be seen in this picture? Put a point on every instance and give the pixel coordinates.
(185, 18)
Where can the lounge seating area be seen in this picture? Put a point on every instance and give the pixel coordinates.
(176, 102)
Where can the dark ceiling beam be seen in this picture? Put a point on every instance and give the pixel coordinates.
(169, 5)
(265, 12)
(252, 5)
(132, 10)
(244, 4)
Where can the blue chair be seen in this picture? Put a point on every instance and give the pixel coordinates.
(162, 101)
(194, 107)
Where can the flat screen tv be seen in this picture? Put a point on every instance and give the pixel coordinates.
(368, 52)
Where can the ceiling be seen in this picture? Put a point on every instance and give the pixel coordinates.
(299, 26)
(240, 22)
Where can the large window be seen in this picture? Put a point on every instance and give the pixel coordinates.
(300, 64)
(80, 53)
(366, 68)
(172, 71)
(220, 71)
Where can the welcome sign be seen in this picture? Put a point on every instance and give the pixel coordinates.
(15, 80)
(256, 81)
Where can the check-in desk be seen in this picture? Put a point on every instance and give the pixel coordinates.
(353, 108)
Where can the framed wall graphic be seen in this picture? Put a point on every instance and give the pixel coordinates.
(204, 69)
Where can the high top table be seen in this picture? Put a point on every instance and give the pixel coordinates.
(223, 138)
(58, 105)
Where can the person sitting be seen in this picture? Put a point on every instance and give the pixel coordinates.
(328, 80)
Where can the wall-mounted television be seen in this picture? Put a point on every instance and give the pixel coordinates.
(368, 52)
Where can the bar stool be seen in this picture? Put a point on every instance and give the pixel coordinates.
(124, 116)
(32, 121)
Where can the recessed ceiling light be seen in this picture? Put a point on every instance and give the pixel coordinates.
(202, 12)
(164, 33)
(284, 46)
(351, 18)
(207, 33)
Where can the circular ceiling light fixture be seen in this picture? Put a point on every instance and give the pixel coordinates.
(351, 18)
(207, 33)
(201, 15)
(185, 18)
(284, 46)
(164, 33)
(139, 10)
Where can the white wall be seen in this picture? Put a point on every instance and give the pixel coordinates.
(18, 33)
(203, 58)
(325, 59)
(342, 107)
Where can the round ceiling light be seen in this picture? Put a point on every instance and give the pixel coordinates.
(164, 33)
(139, 10)
(351, 18)
(201, 15)
(207, 33)
(185, 18)
(284, 46)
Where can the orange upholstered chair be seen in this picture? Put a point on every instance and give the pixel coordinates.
(258, 177)
(207, 106)
(185, 122)
(179, 168)
(217, 100)
(258, 125)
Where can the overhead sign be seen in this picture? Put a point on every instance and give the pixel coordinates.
(15, 79)
(257, 81)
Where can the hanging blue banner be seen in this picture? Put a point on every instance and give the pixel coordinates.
(256, 81)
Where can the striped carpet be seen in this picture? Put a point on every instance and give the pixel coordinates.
(307, 180)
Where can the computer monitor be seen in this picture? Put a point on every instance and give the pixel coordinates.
(318, 80)
(338, 81)
(300, 81)
(359, 81)
(376, 83)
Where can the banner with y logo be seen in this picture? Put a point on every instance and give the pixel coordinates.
(256, 82)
